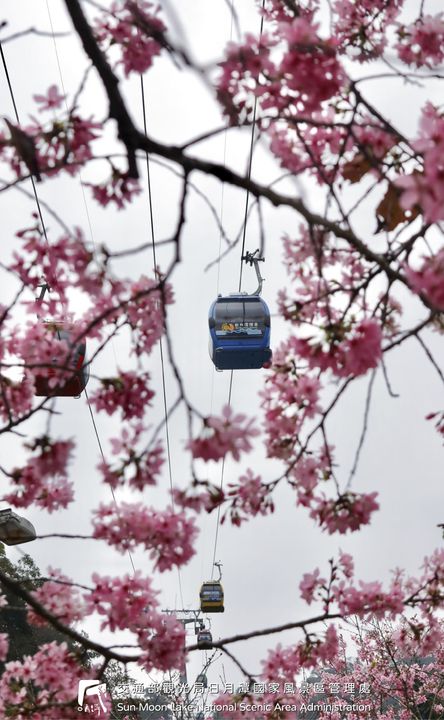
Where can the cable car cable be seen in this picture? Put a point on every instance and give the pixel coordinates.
(250, 163)
(11, 92)
(96, 432)
(104, 460)
(244, 232)
(78, 170)
(162, 360)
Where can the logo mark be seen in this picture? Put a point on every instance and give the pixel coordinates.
(91, 689)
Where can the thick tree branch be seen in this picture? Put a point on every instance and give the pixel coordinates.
(17, 589)
(134, 139)
(117, 107)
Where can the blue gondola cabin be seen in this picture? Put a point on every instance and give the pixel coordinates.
(239, 332)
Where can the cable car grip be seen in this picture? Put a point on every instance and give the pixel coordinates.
(252, 259)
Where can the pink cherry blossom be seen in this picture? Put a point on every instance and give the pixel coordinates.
(164, 646)
(128, 391)
(353, 356)
(167, 535)
(425, 187)
(59, 598)
(43, 480)
(370, 598)
(17, 397)
(310, 584)
(54, 672)
(361, 28)
(137, 470)
(251, 497)
(135, 28)
(362, 350)
(53, 99)
(346, 564)
(119, 189)
(230, 433)
(422, 42)
(429, 279)
(122, 602)
(144, 311)
(348, 512)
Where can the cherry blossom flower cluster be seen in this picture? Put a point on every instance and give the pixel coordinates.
(290, 399)
(69, 254)
(167, 535)
(136, 468)
(303, 72)
(119, 189)
(122, 602)
(340, 590)
(135, 28)
(145, 312)
(251, 498)
(59, 597)
(61, 145)
(348, 351)
(311, 143)
(17, 397)
(425, 186)
(130, 603)
(163, 647)
(326, 281)
(43, 481)
(42, 686)
(210, 498)
(283, 663)
(429, 279)
(137, 471)
(361, 28)
(280, 11)
(349, 511)
(229, 434)
(422, 43)
(128, 391)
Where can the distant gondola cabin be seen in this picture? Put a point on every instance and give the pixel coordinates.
(15, 529)
(72, 379)
(202, 680)
(204, 639)
(212, 597)
(239, 332)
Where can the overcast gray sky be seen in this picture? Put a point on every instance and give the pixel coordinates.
(264, 560)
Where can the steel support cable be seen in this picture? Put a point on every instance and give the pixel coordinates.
(96, 432)
(162, 359)
(88, 218)
(244, 234)
(94, 424)
(11, 92)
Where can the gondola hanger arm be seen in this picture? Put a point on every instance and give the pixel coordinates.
(253, 259)
(219, 565)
